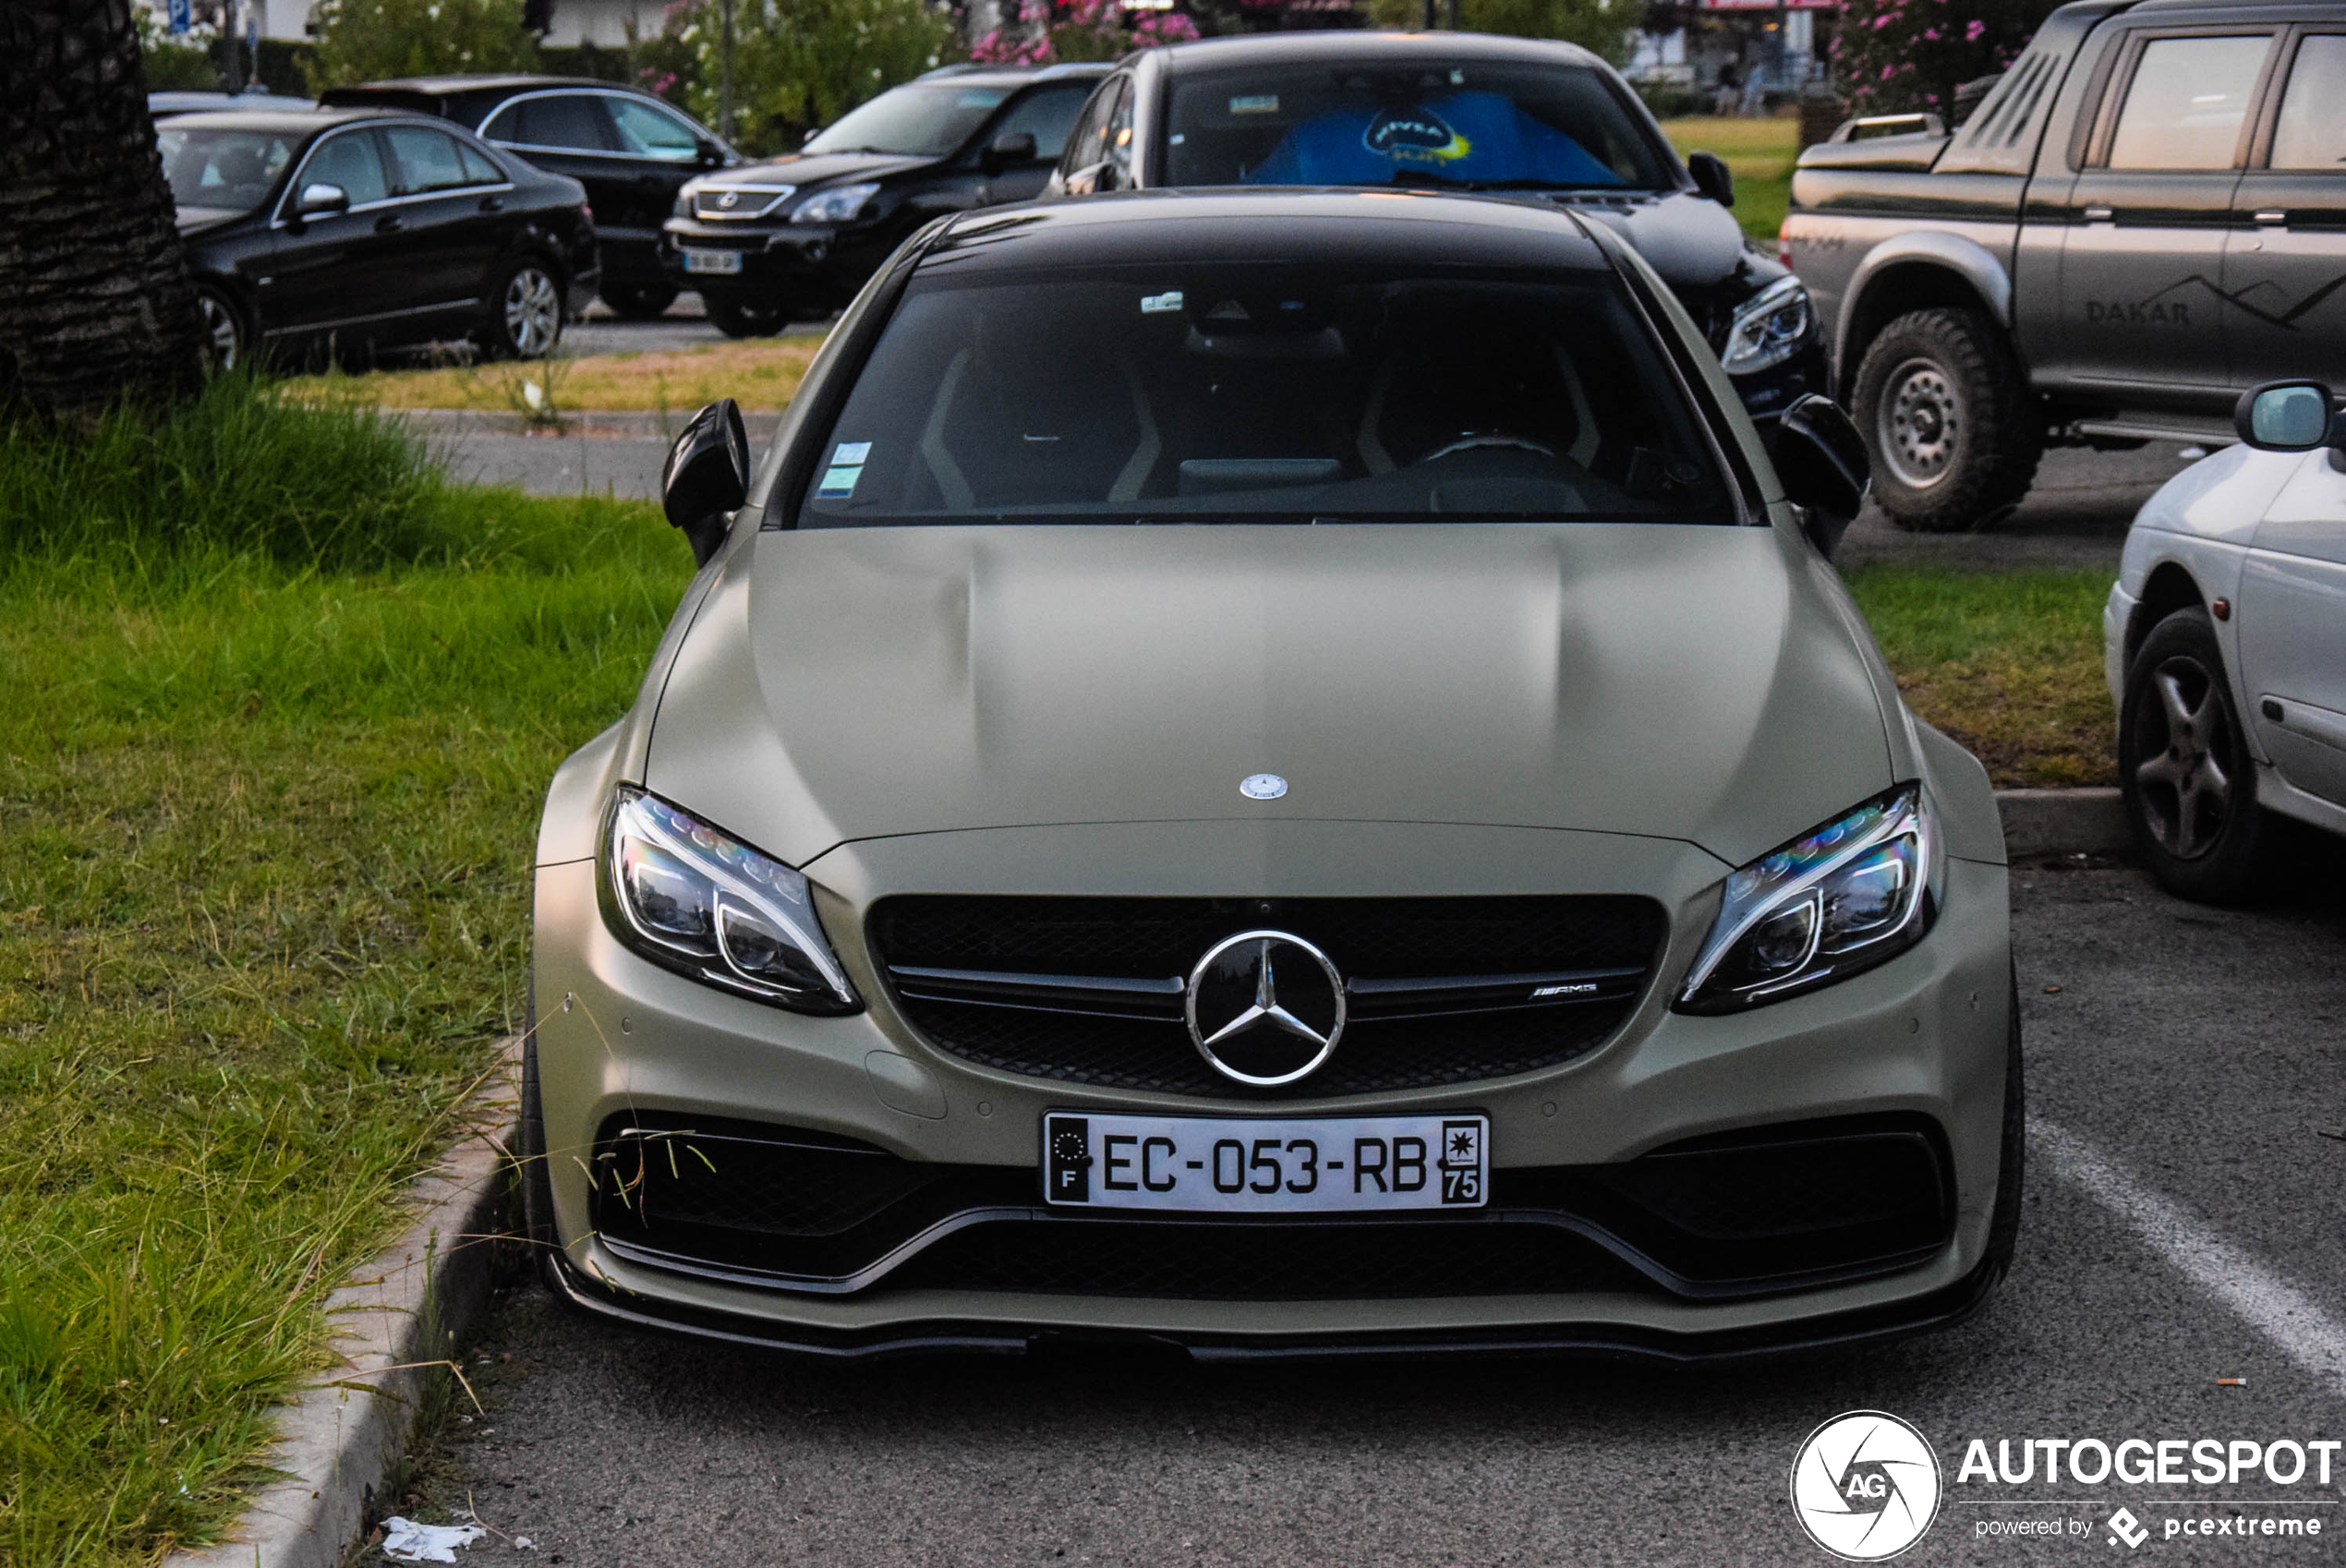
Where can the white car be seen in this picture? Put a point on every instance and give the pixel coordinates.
(2224, 641)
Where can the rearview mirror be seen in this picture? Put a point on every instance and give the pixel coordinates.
(318, 199)
(1011, 147)
(1821, 460)
(707, 475)
(2287, 416)
(1712, 178)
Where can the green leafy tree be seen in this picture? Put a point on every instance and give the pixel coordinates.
(368, 40)
(1601, 27)
(1899, 56)
(801, 63)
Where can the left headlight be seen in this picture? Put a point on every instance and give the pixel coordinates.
(694, 901)
(1839, 899)
(684, 193)
(1768, 329)
(838, 205)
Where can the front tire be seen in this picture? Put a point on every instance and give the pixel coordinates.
(1952, 429)
(525, 318)
(639, 302)
(226, 339)
(742, 318)
(2185, 771)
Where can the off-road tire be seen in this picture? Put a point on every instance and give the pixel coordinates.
(744, 319)
(638, 302)
(2222, 854)
(1953, 432)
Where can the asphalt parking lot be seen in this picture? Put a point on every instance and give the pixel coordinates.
(2187, 1085)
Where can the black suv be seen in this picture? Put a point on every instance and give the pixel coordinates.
(632, 151)
(794, 237)
(1543, 122)
(358, 228)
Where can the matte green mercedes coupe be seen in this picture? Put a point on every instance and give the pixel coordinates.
(1279, 773)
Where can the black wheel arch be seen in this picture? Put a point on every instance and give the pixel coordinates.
(1897, 290)
(2170, 588)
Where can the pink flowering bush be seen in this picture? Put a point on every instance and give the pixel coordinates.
(1896, 56)
(1050, 31)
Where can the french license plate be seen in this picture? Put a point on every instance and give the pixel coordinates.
(726, 261)
(1252, 1166)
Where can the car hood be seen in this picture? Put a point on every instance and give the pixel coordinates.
(1691, 240)
(823, 168)
(1680, 682)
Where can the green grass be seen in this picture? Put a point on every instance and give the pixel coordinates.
(264, 909)
(2009, 663)
(1759, 153)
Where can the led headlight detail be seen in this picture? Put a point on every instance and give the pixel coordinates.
(1837, 900)
(835, 206)
(694, 901)
(1767, 329)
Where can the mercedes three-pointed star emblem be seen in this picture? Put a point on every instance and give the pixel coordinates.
(1264, 1007)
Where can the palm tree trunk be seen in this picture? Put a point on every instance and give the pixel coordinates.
(95, 302)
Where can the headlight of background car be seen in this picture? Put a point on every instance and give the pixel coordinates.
(1840, 900)
(694, 901)
(683, 207)
(1768, 329)
(836, 206)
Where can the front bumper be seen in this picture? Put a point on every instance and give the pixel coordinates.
(1922, 1037)
(816, 265)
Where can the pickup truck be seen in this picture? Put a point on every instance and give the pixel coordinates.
(2145, 217)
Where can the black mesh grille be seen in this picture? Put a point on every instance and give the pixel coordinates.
(1366, 938)
(1269, 1262)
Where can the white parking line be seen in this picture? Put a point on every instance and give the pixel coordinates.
(2278, 1309)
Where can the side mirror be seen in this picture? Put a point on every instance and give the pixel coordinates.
(1821, 460)
(1712, 178)
(2287, 416)
(708, 155)
(707, 475)
(316, 200)
(1011, 147)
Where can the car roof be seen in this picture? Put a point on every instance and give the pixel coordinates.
(189, 100)
(1270, 224)
(302, 121)
(1400, 48)
(486, 81)
(969, 72)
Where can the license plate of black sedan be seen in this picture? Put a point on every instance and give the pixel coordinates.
(1259, 1165)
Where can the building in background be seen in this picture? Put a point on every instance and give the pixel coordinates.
(1734, 57)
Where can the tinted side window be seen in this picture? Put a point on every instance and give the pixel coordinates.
(2187, 102)
(427, 160)
(478, 169)
(1047, 115)
(351, 161)
(1120, 136)
(652, 133)
(570, 120)
(1087, 143)
(2312, 130)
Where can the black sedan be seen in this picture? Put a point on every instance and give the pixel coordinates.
(794, 237)
(363, 229)
(1460, 112)
(632, 151)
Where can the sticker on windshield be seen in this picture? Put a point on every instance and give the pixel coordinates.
(1258, 103)
(839, 480)
(1414, 133)
(851, 454)
(1157, 304)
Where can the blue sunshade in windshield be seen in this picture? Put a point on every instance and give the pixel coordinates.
(1480, 138)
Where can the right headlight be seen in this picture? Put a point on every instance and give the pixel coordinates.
(1841, 898)
(694, 901)
(838, 205)
(1768, 329)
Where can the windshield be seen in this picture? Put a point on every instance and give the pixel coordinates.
(1476, 125)
(927, 120)
(228, 169)
(1246, 392)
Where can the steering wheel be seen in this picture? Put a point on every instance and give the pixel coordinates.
(1474, 438)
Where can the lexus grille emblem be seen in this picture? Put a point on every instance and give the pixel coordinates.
(731, 198)
(1264, 1007)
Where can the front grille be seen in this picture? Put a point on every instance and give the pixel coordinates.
(710, 202)
(1741, 1215)
(1016, 984)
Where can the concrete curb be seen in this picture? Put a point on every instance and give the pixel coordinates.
(2064, 822)
(340, 1439)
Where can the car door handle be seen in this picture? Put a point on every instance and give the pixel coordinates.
(493, 204)
(2099, 215)
(2273, 216)
(390, 224)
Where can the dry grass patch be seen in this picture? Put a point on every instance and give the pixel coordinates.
(761, 374)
